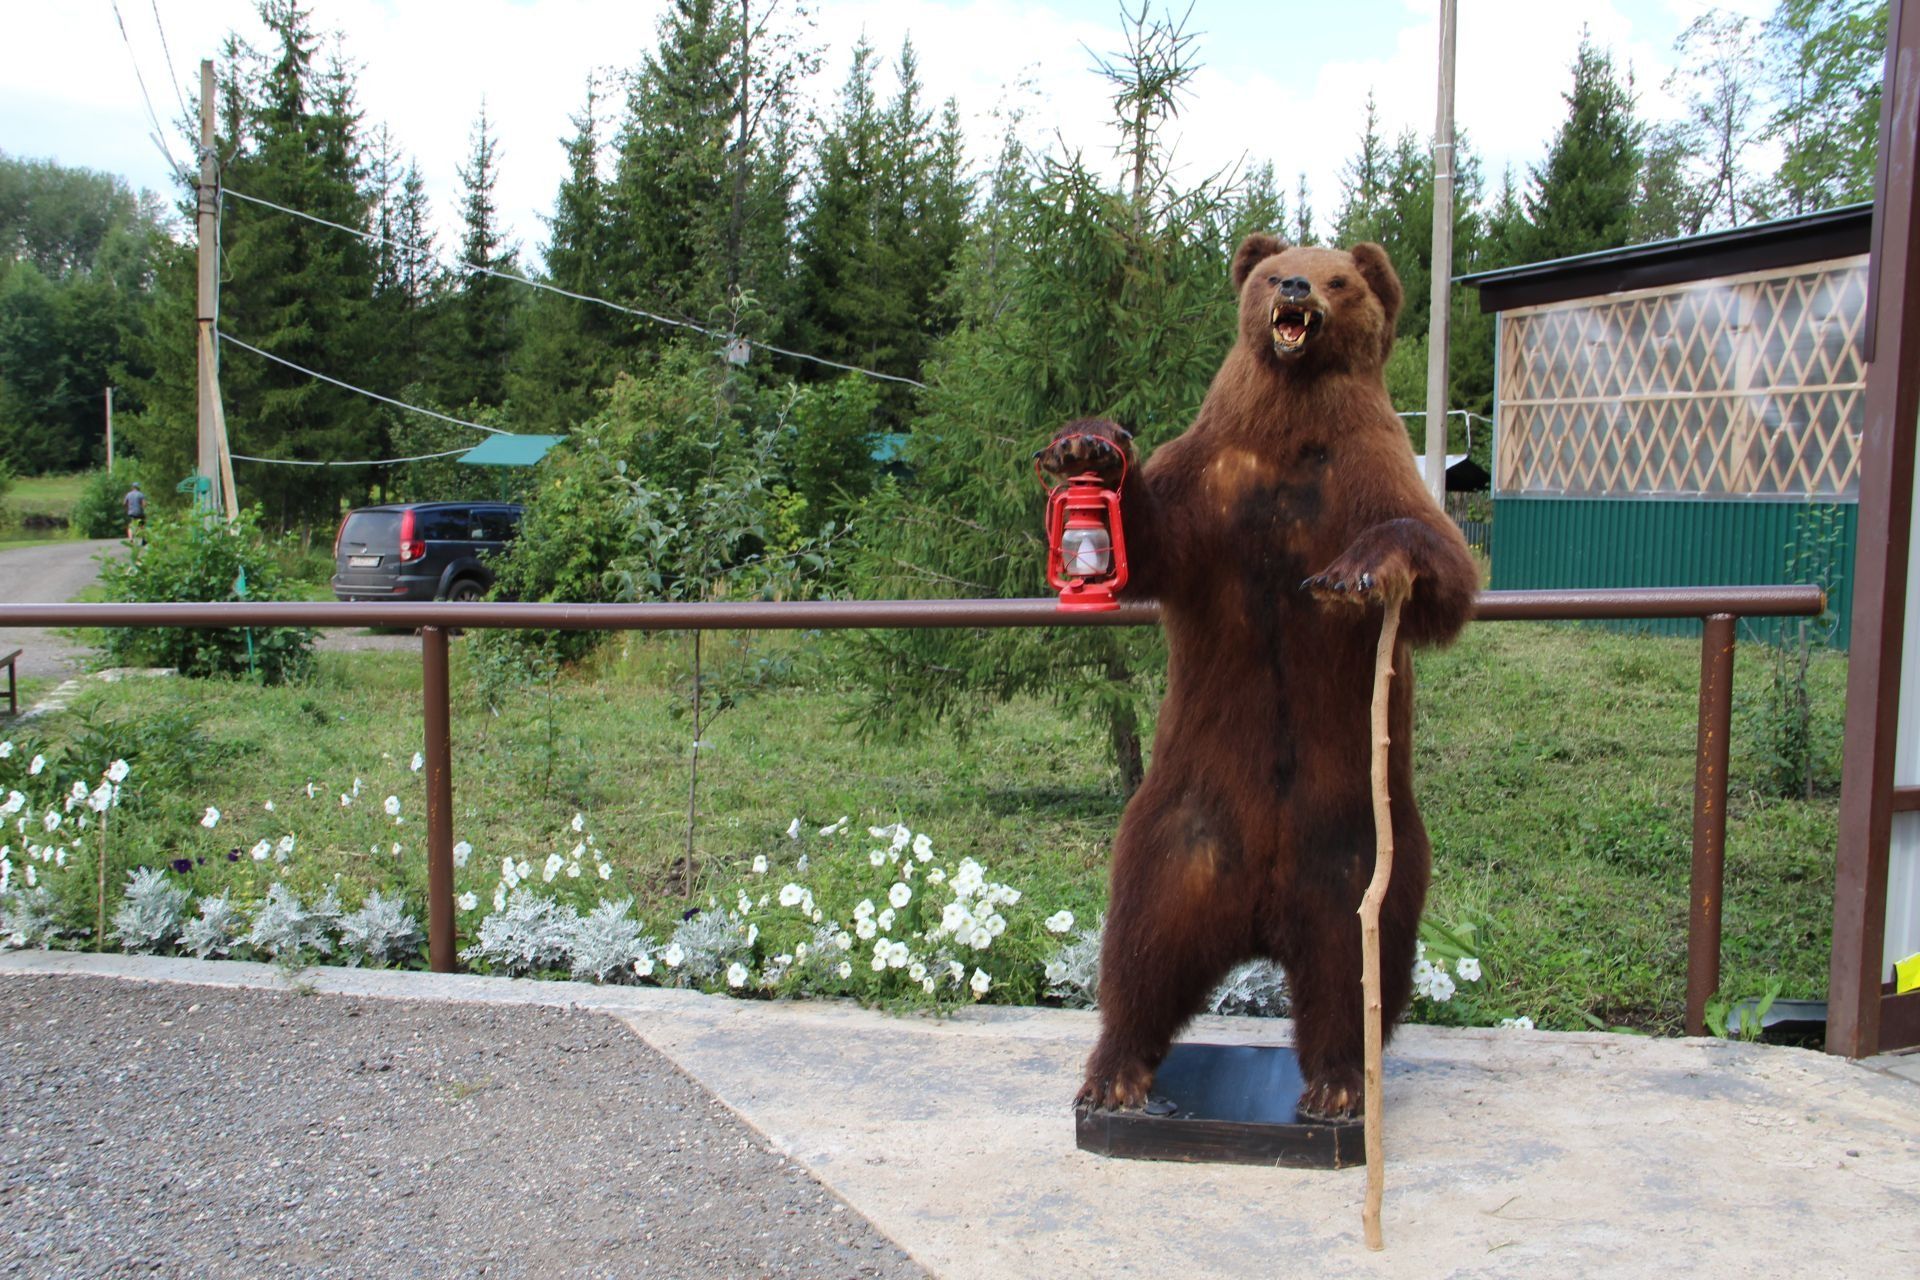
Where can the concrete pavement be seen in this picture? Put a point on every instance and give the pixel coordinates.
(1508, 1153)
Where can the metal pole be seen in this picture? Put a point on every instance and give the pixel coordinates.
(1441, 294)
(109, 429)
(439, 753)
(1881, 562)
(1709, 818)
(207, 456)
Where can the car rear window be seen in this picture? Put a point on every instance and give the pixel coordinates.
(445, 526)
(372, 529)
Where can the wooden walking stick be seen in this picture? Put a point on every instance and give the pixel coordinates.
(1370, 920)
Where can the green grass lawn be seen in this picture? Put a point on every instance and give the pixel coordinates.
(39, 496)
(1554, 765)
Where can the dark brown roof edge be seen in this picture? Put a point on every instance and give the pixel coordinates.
(1807, 237)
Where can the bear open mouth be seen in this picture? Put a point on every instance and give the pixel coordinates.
(1292, 324)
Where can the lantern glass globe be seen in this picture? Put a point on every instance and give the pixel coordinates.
(1086, 552)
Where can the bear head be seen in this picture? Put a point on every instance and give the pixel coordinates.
(1312, 309)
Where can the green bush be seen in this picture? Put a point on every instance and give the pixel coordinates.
(189, 559)
(100, 511)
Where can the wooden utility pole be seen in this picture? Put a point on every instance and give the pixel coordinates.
(1441, 295)
(212, 459)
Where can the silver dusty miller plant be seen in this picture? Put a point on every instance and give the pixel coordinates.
(380, 932)
(711, 941)
(289, 930)
(531, 934)
(606, 943)
(27, 918)
(216, 931)
(1257, 988)
(151, 912)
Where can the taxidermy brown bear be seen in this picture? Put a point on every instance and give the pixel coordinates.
(1271, 532)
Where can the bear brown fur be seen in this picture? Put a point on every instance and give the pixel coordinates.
(1270, 532)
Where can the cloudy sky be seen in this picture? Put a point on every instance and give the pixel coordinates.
(1285, 83)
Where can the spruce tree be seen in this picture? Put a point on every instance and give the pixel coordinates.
(479, 320)
(1583, 194)
(291, 287)
(1076, 298)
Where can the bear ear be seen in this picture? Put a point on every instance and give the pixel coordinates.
(1377, 271)
(1253, 250)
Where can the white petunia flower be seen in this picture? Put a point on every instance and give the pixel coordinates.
(606, 871)
(6, 749)
(552, 867)
(283, 847)
(843, 940)
(1443, 987)
(736, 975)
(579, 822)
(500, 896)
(13, 805)
(467, 901)
(261, 850)
(573, 871)
(900, 895)
(981, 983)
(674, 956)
(885, 918)
(461, 852)
(101, 797)
(793, 829)
(1059, 921)
(418, 763)
(936, 876)
(917, 971)
(33, 875)
(39, 763)
(643, 967)
(877, 857)
(311, 790)
(865, 908)
(760, 864)
(845, 970)
(864, 927)
(790, 895)
(211, 818)
(1468, 968)
(523, 869)
(117, 771)
(923, 847)
(268, 806)
(356, 786)
(1521, 1023)
(392, 806)
(346, 801)
(981, 938)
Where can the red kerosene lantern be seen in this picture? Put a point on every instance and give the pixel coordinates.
(1086, 548)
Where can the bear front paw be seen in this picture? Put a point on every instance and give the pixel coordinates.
(1089, 445)
(1347, 582)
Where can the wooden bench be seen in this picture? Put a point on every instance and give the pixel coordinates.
(13, 687)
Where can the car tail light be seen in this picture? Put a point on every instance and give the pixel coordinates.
(339, 535)
(411, 547)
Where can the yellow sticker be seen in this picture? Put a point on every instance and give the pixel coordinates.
(1906, 974)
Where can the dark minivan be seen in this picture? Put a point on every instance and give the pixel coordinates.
(421, 550)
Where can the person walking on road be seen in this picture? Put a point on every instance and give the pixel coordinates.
(136, 503)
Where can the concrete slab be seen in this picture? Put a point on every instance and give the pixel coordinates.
(1508, 1153)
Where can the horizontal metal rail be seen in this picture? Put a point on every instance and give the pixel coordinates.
(826, 615)
(1717, 607)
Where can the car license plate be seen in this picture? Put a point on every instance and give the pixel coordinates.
(363, 562)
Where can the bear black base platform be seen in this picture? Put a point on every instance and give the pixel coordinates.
(1224, 1104)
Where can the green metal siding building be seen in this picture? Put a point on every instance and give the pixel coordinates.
(1685, 413)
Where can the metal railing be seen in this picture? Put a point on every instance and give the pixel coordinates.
(1717, 607)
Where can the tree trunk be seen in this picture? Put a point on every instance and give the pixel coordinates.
(1123, 732)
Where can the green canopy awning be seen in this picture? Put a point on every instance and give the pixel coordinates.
(509, 451)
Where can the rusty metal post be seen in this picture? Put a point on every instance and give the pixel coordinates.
(439, 753)
(1709, 818)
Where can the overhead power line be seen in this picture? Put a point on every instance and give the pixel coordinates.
(474, 268)
(348, 386)
(370, 462)
(167, 53)
(159, 132)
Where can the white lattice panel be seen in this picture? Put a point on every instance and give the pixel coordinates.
(1742, 386)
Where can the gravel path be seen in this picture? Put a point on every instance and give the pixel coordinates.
(152, 1129)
